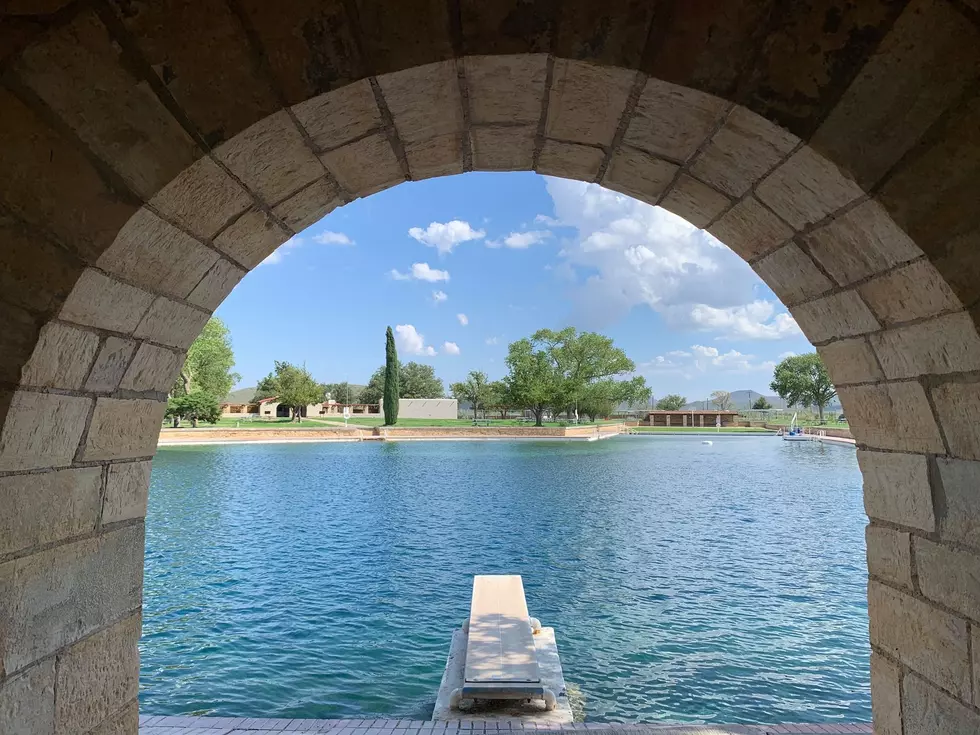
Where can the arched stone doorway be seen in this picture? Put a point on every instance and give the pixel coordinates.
(152, 153)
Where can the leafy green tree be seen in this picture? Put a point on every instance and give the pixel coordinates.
(722, 400)
(194, 406)
(802, 380)
(375, 389)
(475, 389)
(497, 398)
(416, 380)
(671, 402)
(208, 364)
(761, 404)
(531, 382)
(343, 392)
(293, 387)
(391, 389)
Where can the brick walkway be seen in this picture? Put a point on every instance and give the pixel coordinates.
(151, 725)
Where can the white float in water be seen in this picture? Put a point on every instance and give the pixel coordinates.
(707, 442)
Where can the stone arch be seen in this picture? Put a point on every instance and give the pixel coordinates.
(153, 155)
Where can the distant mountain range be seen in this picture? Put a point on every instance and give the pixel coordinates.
(743, 399)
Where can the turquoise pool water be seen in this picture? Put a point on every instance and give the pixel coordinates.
(721, 583)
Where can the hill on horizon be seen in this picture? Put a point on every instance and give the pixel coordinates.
(743, 399)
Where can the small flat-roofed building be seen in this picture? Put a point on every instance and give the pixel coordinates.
(707, 419)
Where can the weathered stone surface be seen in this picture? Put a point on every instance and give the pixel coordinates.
(832, 317)
(673, 121)
(928, 710)
(97, 676)
(638, 174)
(126, 492)
(251, 238)
(946, 344)
(123, 429)
(424, 101)
(42, 430)
(957, 262)
(958, 405)
(310, 204)
(125, 123)
(155, 255)
(886, 706)
(100, 301)
(441, 156)
(896, 488)
(172, 324)
(61, 358)
(806, 188)
(891, 416)
(18, 339)
(791, 274)
(850, 361)
(216, 284)
(36, 275)
(924, 638)
(271, 158)
(920, 68)
(338, 117)
(124, 722)
(949, 576)
(507, 27)
(889, 555)
(27, 701)
(154, 368)
(750, 229)
(586, 102)
(961, 494)
(696, 202)
(55, 597)
(911, 292)
(506, 89)
(611, 32)
(111, 363)
(860, 243)
(570, 161)
(503, 148)
(744, 150)
(203, 198)
(47, 507)
(404, 35)
(365, 166)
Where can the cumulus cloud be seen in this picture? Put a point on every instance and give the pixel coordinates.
(410, 342)
(332, 238)
(420, 272)
(444, 236)
(491, 340)
(700, 359)
(520, 240)
(450, 348)
(463, 319)
(439, 296)
(283, 250)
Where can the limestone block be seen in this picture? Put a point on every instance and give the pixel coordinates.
(889, 555)
(569, 160)
(832, 317)
(402, 35)
(47, 507)
(309, 205)
(340, 116)
(961, 492)
(586, 102)
(891, 416)
(946, 344)
(98, 676)
(54, 597)
(37, 275)
(172, 324)
(791, 274)
(154, 368)
(251, 238)
(885, 696)
(696, 202)
(949, 576)
(100, 301)
(61, 358)
(957, 406)
(42, 430)
(126, 492)
(896, 488)
(502, 149)
(123, 722)
(609, 32)
(271, 158)
(921, 636)
(365, 166)
(123, 429)
(440, 156)
(638, 174)
(503, 27)
(216, 285)
(743, 150)
(506, 89)
(673, 121)
(154, 254)
(203, 198)
(928, 710)
(806, 188)
(860, 243)
(850, 361)
(111, 363)
(27, 701)
(750, 229)
(424, 101)
(914, 291)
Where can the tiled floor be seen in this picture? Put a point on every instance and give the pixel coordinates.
(150, 725)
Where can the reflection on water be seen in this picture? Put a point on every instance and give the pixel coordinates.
(686, 582)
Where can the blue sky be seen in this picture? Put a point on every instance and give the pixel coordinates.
(460, 266)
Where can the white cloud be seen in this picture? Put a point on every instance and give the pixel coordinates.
(420, 272)
(399, 276)
(546, 220)
(520, 240)
(332, 238)
(439, 296)
(702, 359)
(450, 348)
(463, 319)
(446, 236)
(784, 355)
(283, 250)
(409, 341)
(491, 340)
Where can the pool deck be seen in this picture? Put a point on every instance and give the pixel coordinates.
(158, 725)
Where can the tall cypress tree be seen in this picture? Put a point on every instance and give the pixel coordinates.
(391, 380)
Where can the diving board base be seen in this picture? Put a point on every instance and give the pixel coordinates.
(505, 708)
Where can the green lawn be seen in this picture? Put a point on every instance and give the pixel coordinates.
(699, 429)
(226, 423)
(406, 423)
(830, 422)
(322, 422)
